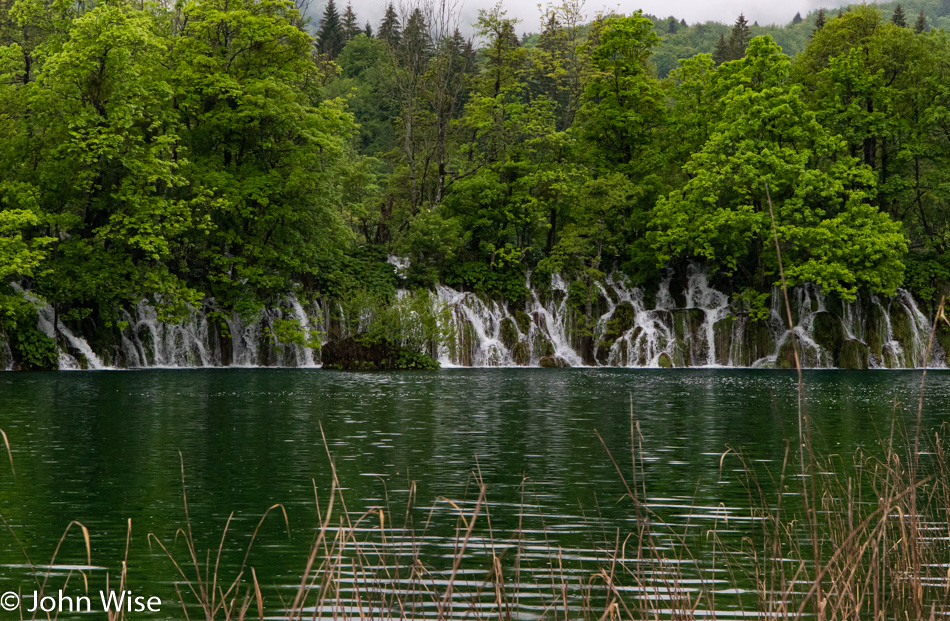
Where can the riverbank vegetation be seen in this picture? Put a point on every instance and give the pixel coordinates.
(231, 154)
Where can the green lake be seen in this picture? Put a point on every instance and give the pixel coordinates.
(103, 448)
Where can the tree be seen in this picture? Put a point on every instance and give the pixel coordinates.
(350, 24)
(797, 19)
(720, 53)
(898, 17)
(331, 37)
(739, 38)
(368, 30)
(766, 138)
(921, 24)
(623, 104)
(734, 48)
(672, 25)
(820, 20)
(389, 28)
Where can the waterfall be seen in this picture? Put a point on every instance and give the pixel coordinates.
(682, 322)
(149, 342)
(53, 327)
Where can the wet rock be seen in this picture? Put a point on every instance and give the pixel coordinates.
(943, 339)
(756, 342)
(828, 332)
(876, 330)
(521, 353)
(902, 327)
(553, 362)
(854, 355)
(523, 321)
(722, 335)
(785, 359)
(665, 361)
(542, 346)
(509, 333)
(586, 348)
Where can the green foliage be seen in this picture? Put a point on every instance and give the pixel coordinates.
(215, 150)
(34, 350)
(767, 138)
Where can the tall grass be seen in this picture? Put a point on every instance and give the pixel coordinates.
(861, 541)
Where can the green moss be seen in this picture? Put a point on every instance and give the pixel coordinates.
(509, 333)
(523, 321)
(665, 361)
(943, 337)
(553, 362)
(722, 336)
(621, 321)
(854, 355)
(828, 332)
(542, 346)
(521, 353)
(902, 327)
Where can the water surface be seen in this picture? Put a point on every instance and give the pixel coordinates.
(102, 448)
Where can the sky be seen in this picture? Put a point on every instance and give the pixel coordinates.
(763, 11)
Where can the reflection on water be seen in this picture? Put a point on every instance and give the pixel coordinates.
(103, 448)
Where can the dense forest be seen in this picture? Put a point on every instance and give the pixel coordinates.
(235, 151)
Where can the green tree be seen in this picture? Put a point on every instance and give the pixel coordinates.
(350, 24)
(898, 17)
(623, 104)
(389, 29)
(921, 24)
(766, 137)
(332, 35)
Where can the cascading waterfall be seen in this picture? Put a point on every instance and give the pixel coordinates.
(699, 326)
(684, 322)
(75, 352)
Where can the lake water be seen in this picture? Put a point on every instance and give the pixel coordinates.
(103, 448)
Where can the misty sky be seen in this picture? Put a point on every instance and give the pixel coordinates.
(763, 11)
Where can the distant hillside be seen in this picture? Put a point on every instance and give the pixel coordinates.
(700, 38)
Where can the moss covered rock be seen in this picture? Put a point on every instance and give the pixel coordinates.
(509, 333)
(854, 355)
(665, 361)
(553, 362)
(521, 353)
(523, 321)
(828, 333)
(722, 336)
(943, 338)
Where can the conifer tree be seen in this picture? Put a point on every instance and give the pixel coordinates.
(389, 28)
(673, 25)
(797, 19)
(331, 37)
(820, 20)
(898, 17)
(351, 27)
(685, 25)
(739, 39)
(721, 51)
(368, 30)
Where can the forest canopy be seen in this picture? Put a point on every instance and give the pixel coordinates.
(235, 151)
